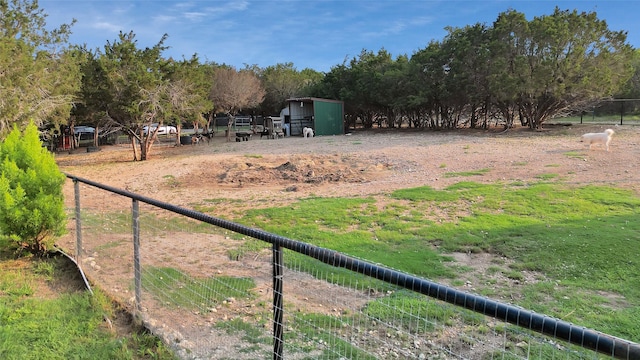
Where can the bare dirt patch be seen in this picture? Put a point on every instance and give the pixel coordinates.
(366, 162)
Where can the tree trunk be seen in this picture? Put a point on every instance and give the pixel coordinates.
(210, 118)
(144, 150)
(145, 146)
(134, 147)
(96, 143)
(229, 123)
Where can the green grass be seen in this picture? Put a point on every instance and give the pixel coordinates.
(120, 222)
(209, 205)
(171, 181)
(178, 289)
(579, 240)
(547, 176)
(323, 329)
(69, 325)
(251, 334)
(422, 317)
(249, 246)
(364, 231)
(466, 173)
(575, 155)
(99, 222)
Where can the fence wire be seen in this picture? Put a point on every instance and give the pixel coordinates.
(608, 112)
(208, 292)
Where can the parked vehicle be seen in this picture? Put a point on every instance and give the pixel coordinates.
(162, 130)
(77, 130)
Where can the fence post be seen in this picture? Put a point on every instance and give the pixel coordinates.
(136, 253)
(76, 191)
(621, 111)
(278, 342)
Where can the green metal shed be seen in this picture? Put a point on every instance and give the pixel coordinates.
(325, 116)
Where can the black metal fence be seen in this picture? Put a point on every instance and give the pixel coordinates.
(350, 329)
(614, 112)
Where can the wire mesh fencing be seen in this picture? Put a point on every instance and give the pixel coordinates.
(213, 289)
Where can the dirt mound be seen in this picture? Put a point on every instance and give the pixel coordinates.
(276, 171)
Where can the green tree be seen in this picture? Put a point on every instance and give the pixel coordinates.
(507, 62)
(368, 88)
(631, 89)
(188, 93)
(38, 73)
(429, 85)
(284, 81)
(334, 85)
(554, 64)
(466, 72)
(94, 96)
(137, 88)
(32, 206)
(126, 88)
(393, 91)
(363, 84)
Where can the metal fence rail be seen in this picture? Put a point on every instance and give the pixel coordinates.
(292, 293)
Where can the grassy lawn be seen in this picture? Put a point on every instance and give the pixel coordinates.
(45, 313)
(583, 243)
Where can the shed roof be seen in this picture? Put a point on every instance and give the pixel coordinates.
(312, 99)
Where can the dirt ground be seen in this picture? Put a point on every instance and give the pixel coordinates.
(361, 163)
(261, 172)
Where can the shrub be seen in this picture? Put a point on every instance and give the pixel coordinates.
(31, 205)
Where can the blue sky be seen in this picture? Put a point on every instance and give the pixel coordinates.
(309, 34)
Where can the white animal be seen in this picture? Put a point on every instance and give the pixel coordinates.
(307, 132)
(603, 138)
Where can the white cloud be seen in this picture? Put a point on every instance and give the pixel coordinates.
(123, 9)
(237, 5)
(228, 7)
(195, 16)
(421, 20)
(186, 4)
(163, 18)
(102, 25)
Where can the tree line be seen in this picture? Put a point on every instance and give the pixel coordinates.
(512, 71)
